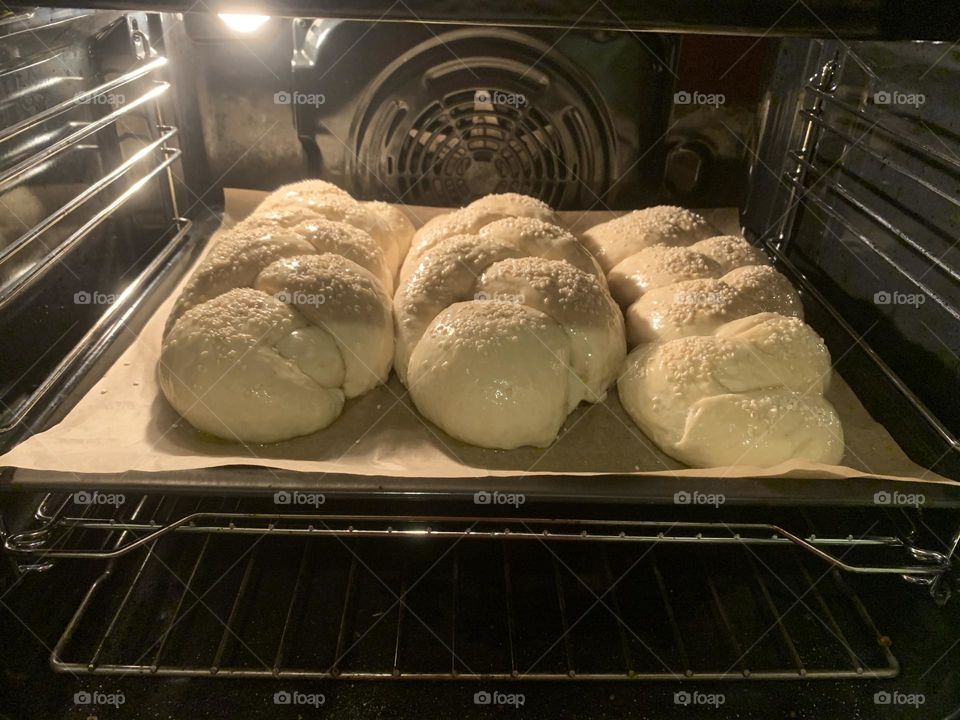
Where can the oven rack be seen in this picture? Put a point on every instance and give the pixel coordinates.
(427, 606)
(96, 533)
(102, 200)
(821, 107)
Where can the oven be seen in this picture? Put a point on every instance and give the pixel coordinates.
(830, 133)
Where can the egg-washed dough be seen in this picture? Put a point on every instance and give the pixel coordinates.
(292, 308)
(750, 393)
(504, 329)
(614, 241)
(493, 374)
(699, 307)
(472, 218)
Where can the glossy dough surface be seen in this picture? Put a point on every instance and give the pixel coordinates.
(504, 328)
(750, 393)
(289, 315)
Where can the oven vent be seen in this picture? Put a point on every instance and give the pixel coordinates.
(473, 143)
(498, 125)
(441, 118)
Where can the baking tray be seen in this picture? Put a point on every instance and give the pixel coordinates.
(486, 470)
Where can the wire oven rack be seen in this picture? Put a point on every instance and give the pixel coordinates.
(233, 588)
(102, 200)
(920, 174)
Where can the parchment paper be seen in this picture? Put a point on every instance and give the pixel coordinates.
(125, 424)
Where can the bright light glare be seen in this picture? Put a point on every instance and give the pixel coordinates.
(244, 24)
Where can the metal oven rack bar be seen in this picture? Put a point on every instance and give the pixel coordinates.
(51, 537)
(801, 173)
(603, 572)
(105, 328)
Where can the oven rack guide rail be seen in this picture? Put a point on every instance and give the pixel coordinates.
(96, 534)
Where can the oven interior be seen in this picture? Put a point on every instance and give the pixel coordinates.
(120, 130)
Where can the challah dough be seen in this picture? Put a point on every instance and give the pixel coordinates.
(470, 219)
(246, 367)
(751, 393)
(504, 329)
(578, 303)
(289, 315)
(493, 374)
(729, 252)
(698, 307)
(614, 241)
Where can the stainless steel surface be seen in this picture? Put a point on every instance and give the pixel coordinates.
(813, 18)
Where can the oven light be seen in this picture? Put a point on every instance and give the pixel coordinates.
(243, 24)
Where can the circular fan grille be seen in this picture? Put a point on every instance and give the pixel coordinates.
(447, 133)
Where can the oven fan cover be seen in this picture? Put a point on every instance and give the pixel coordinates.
(457, 120)
(450, 116)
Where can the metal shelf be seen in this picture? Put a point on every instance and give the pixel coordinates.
(361, 598)
(106, 536)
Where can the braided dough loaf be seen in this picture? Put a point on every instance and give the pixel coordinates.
(501, 333)
(616, 240)
(289, 315)
(471, 219)
(724, 371)
(750, 393)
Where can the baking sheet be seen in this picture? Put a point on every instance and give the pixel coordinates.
(124, 424)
